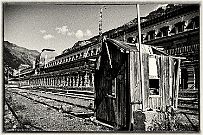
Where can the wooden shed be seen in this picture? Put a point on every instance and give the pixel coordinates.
(117, 82)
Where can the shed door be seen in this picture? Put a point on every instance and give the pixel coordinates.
(104, 97)
(111, 87)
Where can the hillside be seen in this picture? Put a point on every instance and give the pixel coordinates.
(14, 55)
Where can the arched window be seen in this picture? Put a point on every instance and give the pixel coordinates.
(94, 51)
(89, 53)
(82, 54)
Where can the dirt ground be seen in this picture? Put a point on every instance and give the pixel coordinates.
(38, 117)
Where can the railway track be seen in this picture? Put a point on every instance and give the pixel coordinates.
(86, 95)
(80, 113)
(25, 126)
(71, 108)
(187, 102)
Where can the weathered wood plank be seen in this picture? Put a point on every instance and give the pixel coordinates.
(167, 98)
(146, 78)
(177, 81)
(162, 83)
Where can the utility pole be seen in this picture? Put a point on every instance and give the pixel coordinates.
(140, 57)
(100, 22)
(8, 75)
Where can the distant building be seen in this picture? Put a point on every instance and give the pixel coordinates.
(175, 29)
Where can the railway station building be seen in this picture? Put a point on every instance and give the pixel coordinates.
(175, 30)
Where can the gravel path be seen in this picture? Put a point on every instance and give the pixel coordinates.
(49, 119)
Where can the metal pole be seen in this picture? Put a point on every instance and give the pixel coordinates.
(8, 75)
(100, 22)
(19, 76)
(140, 58)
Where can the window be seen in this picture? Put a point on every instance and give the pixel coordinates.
(194, 23)
(153, 76)
(82, 54)
(78, 56)
(94, 51)
(154, 86)
(89, 53)
(151, 34)
(179, 27)
(164, 31)
(131, 40)
(75, 57)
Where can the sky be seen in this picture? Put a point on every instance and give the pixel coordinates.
(38, 26)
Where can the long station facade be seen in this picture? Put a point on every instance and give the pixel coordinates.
(176, 31)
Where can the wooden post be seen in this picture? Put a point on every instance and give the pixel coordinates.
(132, 85)
(170, 82)
(177, 83)
(140, 60)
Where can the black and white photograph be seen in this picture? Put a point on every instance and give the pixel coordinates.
(101, 67)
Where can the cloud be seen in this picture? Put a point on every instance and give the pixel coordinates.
(48, 36)
(70, 33)
(64, 30)
(88, 33)
(43, 31)
(79, 34)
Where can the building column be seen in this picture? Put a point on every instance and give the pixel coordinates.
(63, 81)
(59, 81)
(50, 81)
(54, 81)
(79, 80)
(92, 79)
(76, 80)
(86, 80)
(67, 80)
(73, 81)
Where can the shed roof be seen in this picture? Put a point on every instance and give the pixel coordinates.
(135, 47)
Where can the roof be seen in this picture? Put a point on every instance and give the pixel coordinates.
(135, 47)
(123, 45)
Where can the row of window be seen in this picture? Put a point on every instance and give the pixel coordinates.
(165, 31)
(177, 28)
(72, 58)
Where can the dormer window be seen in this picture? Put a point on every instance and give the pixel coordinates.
(75, 57)
(150, 35)
(194, 23)
(131, 40)
(94, 51)
(78, 56)
(178, 27)
(89, 53)
(164, 31)
(82, 54)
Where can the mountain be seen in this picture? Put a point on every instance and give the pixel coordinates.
(14, 55)
(164, 9)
